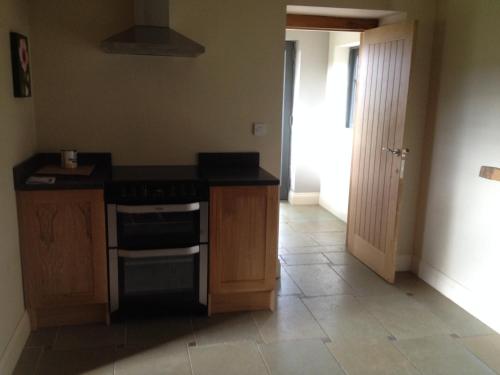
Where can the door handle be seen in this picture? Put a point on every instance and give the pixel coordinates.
(397, 151)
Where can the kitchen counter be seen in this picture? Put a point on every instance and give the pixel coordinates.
(238, 176)
(220, 170)
(97, 180)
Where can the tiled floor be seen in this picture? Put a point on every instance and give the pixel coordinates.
(334, 316)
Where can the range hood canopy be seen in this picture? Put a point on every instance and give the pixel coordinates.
(151, 34)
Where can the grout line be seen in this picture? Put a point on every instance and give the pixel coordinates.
(475, 355)
(268, 369)
(39, 359)
(314, 318)
(190, 360)
(252, 314)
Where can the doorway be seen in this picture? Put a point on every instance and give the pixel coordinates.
(366, 87)
(319, 95)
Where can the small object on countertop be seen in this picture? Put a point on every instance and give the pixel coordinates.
(69, 159)
(82, 170)
(490, 173)
(37, 180)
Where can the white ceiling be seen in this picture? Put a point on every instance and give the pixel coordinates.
(338, 12)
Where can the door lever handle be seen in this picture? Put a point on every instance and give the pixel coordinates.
(397, 151)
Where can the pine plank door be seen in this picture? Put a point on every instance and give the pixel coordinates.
(378, 150)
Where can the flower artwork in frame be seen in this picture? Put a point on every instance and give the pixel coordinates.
(21, 72)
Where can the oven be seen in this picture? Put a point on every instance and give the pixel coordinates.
(158, 257)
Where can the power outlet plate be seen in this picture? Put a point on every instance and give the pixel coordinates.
(259, 129)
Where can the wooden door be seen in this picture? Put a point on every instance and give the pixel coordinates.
(378, 153)
(63, 247)
(243, 239)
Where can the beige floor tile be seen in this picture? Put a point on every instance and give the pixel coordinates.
(318, 280)
(300, 259)
(299, 358)
(42, 337)
(225, 328)
(228, 359)
(160, 360)
(345, 320)
(291, 321)
(72, 362)
(441, 355)
(382, 358)
(364, 281)
(318, 226)
(286, 286)
(334, 249)
(486, 348)
(458, 320)
(329, 238)
(404, 317)
(286, 228)
(92, 336)
(295, 240)
(341, 258)
(148, 333)
(306, 249)
(29, 360)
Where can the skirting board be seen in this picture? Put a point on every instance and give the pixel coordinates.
(303, 199)
(324, 203)
(484, 308)
(15, 346)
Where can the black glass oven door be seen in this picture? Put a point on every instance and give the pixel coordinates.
(158, 280)
(158, 227)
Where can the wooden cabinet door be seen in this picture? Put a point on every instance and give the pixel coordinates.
(63, 247)
(243, 239)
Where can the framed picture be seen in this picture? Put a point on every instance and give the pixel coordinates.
(21, 72)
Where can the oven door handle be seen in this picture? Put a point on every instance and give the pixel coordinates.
(160, 253)
(168, 208)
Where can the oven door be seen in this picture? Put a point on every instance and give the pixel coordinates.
(158, 227)
(159, 281)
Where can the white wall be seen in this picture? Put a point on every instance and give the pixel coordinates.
(309, 108)
(17, 142)
(460, 251)
(336, 139)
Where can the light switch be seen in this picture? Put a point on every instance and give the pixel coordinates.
(259, 129)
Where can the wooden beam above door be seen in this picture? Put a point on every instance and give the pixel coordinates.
(308, 22)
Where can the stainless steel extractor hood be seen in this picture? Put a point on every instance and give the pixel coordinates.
(151, 34)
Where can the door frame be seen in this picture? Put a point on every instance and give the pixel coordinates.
(314, 23)
(287, 117)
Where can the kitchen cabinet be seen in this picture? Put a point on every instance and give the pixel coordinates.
(63, 252)
(243, 247)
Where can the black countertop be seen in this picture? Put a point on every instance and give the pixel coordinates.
(212, 176)
(97, 180)
(213, 173)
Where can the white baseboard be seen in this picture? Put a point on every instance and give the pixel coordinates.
(403, 263)
(327, 206)
(303, 199)
(486, 308)
(15, 346)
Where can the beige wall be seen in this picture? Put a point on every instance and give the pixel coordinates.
(460, 252)
(17, 142)
(158, 110)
